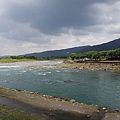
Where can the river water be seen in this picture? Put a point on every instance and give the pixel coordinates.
(90, 87)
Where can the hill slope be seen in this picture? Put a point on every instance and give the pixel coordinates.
(66, 52)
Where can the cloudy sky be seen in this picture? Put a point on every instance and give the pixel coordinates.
(38, 25)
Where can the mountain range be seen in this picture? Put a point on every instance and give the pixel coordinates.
(114, 44)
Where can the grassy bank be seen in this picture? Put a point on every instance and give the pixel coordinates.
(10, 60)
(7, 113)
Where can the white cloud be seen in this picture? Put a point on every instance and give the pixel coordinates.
(113, 29)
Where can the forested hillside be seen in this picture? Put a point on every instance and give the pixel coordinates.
(82, 49)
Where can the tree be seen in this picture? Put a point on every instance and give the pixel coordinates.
(89, 54)
(111, 53)
(73, 56)
(103, 54)
(96, 55)
(117, 52)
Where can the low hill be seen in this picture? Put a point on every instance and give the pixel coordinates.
(66, 52)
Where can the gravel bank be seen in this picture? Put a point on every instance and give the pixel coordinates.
(112, 66)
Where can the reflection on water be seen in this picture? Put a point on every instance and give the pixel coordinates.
(91, 87)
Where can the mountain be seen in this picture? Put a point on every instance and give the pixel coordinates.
(66, 52)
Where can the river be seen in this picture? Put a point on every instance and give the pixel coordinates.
(90, 87)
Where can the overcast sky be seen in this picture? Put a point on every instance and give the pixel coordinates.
(38, 25)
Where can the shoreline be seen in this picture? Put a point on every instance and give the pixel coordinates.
(50, 106)
(56, 107)
(51, 101)
(110, 66)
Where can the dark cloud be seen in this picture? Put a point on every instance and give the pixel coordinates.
(51, 16)
(39, 25)
(6, 24)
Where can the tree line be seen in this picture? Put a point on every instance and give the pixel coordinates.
(97, 55)
(37, 58)
(23, 57)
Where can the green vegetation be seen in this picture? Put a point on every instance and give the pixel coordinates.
(8, 60)
(24, 57)
(2, 89)
(95, 55)
(36, 58)
(27, 58)
(52, 58)
(7, 113)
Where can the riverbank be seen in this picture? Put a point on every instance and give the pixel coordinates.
(112, 66)
(52, 108)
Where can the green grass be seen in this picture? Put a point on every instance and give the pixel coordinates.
(2, 89)
(9, 60)
(7, 113)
